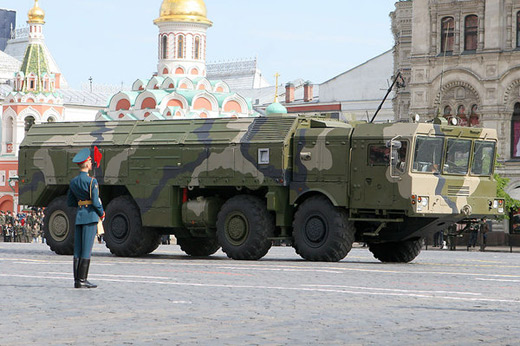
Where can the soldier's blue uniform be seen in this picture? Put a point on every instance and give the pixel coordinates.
(84, 195)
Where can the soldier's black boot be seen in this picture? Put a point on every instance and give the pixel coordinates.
(83, 274)
(76, 279)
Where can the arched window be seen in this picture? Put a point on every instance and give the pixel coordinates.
(196, 54)
(473, 117)
(9, 130)
(471, 33)
(9, 135)
(447, 35)
(447, 112)
(518, 29)
(515, 132)
(164, 46)
(461, 114)
(28, 123)
(180, 47)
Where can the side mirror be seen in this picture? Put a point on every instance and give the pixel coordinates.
(394, 144)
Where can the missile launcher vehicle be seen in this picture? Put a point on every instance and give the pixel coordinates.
(244, 184)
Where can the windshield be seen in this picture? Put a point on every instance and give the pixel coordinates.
(457, 156)
(428, 154)
(483, 158)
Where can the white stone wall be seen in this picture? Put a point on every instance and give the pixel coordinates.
(362, 89)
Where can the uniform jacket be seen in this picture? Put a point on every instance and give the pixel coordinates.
(80, 191)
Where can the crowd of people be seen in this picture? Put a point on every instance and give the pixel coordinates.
(477, 229)
(24, 227)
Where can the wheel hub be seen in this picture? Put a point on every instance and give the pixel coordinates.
(237, 229)
(119, 227)
(59, 226)
(315, 229)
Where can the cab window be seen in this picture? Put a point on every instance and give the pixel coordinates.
(379, 155)
(428, 154)
(457, 156)
(483, 158)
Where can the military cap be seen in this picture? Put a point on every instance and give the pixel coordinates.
(82, 156)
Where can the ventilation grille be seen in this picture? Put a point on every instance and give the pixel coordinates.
(457, 190)
(269, 129)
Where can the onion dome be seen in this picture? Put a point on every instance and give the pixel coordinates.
(275, 108)
(36, 14)
(191, 11)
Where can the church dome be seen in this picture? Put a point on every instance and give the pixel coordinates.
(192, 11)
(275, 108)
(36, 14)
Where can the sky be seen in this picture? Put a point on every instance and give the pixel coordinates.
(115, 41)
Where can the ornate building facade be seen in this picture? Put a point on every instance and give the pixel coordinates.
(461, 59)
(34, 99)
(180, 87)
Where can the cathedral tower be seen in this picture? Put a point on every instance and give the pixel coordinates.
(182, 38)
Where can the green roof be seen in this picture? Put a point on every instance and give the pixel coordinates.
(35, 62)
(275, 108)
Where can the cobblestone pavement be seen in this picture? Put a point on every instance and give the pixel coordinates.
(167, 298)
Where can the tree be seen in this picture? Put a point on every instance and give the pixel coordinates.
(510, 204)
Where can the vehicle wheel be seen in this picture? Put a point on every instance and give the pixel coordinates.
(58, 226)
(244, 227)
(396, 252)
(321, 231)
(198, 246)
(154, 239)
(124, 234)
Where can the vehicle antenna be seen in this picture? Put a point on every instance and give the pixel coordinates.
(399, 84)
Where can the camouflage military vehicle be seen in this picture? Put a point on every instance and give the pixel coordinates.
(241, 184)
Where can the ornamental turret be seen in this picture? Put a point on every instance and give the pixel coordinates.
(182, 38)
(36, 20)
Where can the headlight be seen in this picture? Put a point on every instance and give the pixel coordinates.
(498, 204)
(422, 203)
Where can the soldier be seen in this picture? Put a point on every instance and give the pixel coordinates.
(36, 232)
(473, 234)
(17, 232)
(484, 229)
(84, 194)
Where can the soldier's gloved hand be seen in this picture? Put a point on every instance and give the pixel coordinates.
(103, 217)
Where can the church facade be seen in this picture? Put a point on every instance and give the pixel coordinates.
(180, 87)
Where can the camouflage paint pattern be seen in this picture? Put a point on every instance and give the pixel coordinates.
(283, 159)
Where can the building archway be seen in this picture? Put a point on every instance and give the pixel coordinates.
(7, 203)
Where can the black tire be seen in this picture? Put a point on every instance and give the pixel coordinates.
(321, 231)
(244, 227)
(396, 252)
(58, 226)
(124, 233)
(198, 246)
(154, 240)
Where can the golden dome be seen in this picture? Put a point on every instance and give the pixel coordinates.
(192, 11)
(36, 14)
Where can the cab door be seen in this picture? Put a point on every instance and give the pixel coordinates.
(371, 188)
